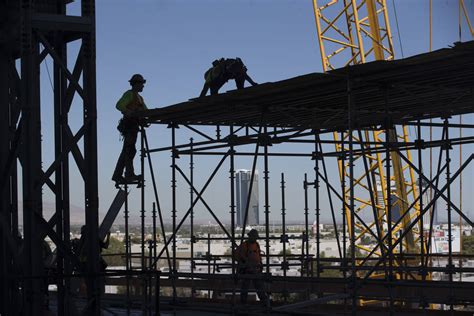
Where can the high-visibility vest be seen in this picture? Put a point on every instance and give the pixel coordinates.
(131, 101)
(248, 255)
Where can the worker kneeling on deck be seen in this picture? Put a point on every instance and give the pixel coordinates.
(250, 264)
(223, 70)
(130, 102)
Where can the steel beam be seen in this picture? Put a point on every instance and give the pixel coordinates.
(46, 23)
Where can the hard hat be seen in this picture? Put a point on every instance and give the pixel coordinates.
(253, 233)
(137, 78)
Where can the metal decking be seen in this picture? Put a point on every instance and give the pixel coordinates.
(437, 84)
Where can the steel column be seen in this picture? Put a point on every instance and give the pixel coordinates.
(33, 298)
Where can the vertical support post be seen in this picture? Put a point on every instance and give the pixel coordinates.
(343, 211)
(284, 237)
(33, 300)
(305, 258)
(420, 185)
(153, 214)
(351, 116)
(344, 219)
(142, 198)
(149, 292)
(153, 259)
(191, 218)
(266, 177)
(128, 267)
(317, 208)
(173, 201)
(388, 203)
(90, 158)
(142, 217)
(232, 207)
(447, 147)
(302, 255)
(209, 258)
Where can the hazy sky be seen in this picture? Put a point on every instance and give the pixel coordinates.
(172, 43)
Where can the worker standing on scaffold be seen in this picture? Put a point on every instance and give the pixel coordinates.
(130, 102)
(250, 265)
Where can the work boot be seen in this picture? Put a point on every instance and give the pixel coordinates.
(118, 181)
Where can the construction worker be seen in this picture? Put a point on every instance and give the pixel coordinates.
(79, 247)
(250, 264)
(223, 70)
(130, 102)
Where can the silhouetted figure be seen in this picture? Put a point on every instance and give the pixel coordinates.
(79, 246)
(224, 70)
(130, 102)
(49, 267)
(250, 263)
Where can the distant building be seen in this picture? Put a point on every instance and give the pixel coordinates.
(242, 186)
(314, 228)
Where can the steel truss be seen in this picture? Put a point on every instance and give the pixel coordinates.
(351, 32)
(387, 274)
(32, 32)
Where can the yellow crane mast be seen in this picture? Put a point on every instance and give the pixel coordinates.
(353, 32)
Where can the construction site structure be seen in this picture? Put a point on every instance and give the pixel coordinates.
(308, 110)
(350, 102)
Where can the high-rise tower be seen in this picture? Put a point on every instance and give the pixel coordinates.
(242, 184)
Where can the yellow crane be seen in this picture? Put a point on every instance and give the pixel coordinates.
(353, 32)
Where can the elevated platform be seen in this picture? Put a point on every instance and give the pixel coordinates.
(436, 84)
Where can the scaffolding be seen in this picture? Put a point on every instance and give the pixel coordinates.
(305, 111)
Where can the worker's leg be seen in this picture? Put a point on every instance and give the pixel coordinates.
(118, 173)
(46, 291)
(260, 288)
(244, 291)
(239, 82)
(130, 139)
(204, 90)
(214, 89)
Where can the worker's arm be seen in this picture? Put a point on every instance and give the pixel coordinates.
(204, 90)
(124, 101)
(237, 255)
(247, 77)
